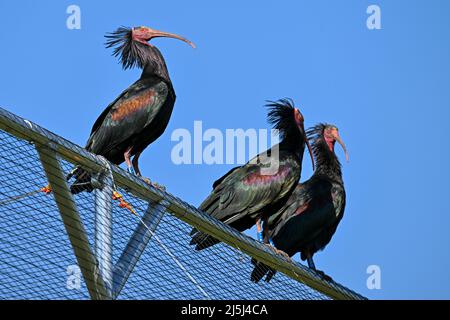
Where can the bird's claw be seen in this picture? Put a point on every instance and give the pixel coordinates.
(323, 275)
(284, 254)
(159, 186)
(154, 184)
(280, 252)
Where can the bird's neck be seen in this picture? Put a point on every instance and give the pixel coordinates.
(294, 142)
(327, 162)
(155, 66)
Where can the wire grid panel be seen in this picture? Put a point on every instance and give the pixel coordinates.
(38, 260)
(219, 272)
(35, 252)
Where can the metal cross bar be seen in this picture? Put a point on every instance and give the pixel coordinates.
(137, 244)
(103, 226)
(73, 224)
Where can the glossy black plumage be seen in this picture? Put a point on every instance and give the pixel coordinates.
(309, 218)
(245, 193)
(140, 114)
(111, 138)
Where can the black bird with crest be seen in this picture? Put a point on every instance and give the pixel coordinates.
(309, 218)
(250, 193)
(141, 113)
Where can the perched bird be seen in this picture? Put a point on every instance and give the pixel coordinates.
(252, 192)
(309, 218)
(140, 114)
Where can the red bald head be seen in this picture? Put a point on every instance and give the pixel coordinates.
(331, 135)
(145, 34)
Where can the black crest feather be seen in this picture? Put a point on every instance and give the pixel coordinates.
(131, 53)
(281, 116)
(315, 133)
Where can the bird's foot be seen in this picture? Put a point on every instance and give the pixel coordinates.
(280, 252)
(323, 275)
(153, 184)
(284, 254)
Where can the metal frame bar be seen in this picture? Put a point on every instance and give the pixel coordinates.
(73, 224)
(182, 210)
(103, 232)
(137, 244)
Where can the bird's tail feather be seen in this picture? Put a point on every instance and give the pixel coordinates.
(199, 239)
(202, 240)
(260, 271)
(82, 180)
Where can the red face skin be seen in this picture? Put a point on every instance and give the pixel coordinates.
(142, 35)
(331, 135)
(145, 34)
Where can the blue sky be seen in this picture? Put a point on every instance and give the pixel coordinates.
(387, 91)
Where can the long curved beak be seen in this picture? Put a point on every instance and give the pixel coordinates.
(156, 34)
(339, 140)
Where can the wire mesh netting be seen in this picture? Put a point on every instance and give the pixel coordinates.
(38, 262)
(38, 246)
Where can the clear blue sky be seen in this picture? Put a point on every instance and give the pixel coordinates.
(387, 91)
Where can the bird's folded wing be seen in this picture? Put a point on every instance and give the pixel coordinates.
(135, 108)
(248, 189)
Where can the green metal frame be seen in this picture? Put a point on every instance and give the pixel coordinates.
(50, 146)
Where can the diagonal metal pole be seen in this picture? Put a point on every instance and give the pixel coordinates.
(103, 226)
(137, 244)
(73, 224)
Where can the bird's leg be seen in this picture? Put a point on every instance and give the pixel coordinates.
(138, 173)
(311, 265)
(264, 234)
(135, 163)
(259, 230)
(310, 261)
(127, 156)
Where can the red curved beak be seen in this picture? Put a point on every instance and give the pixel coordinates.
(171, 35)
(147, 34)
(300, 119)
(339, 140)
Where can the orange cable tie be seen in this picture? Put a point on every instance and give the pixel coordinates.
(47, 189)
